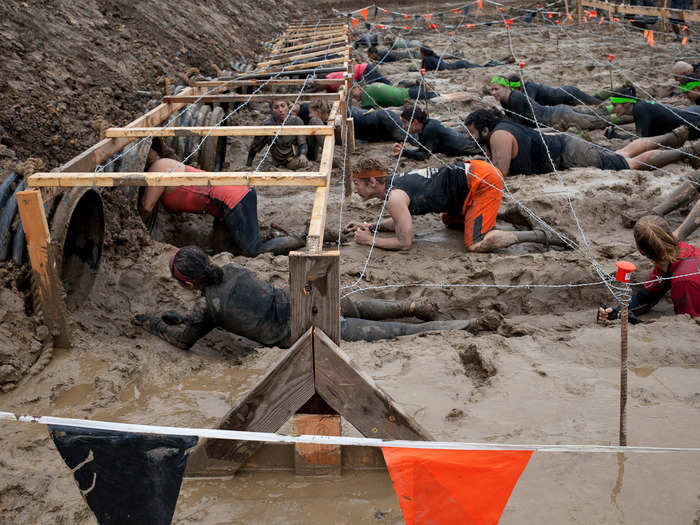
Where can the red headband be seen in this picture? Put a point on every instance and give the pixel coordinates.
(179, 275)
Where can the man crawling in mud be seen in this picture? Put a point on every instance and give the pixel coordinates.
(235, 299)
(467, 195)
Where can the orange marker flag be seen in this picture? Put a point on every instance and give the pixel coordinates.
(454, 487)
(684, 41)
(480, 4)
(354, 23)
(407, 16)
(651, 38)
(569, 17)
(363, 12)
(646, 34)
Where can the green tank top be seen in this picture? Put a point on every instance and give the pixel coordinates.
(383, 95)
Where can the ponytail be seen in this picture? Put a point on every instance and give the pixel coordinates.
(655, 240)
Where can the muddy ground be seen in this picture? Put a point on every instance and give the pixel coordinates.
(549, 375)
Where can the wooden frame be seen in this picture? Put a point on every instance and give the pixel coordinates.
(219, 131)
(664, 12)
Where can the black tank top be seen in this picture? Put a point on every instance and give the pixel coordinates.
(532, 155)
(434, 191)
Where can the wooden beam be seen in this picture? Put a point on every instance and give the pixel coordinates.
(349, 145)
(204, 178)
(314, 292)
(313, 38)
(292, 58)
(45, 275)
(278, 395)
(356, 397)
(314, 240)
(306, 49)
(300, 72)
(289, 49)
(341, 60)
(220, 131)
(252, 98)
(317, 460)
(687, 16)
(89, 159)
(276, 82)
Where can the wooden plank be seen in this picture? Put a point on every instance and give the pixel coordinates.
(333, 40)
(253, 98)
(305, 65)
(687, 16)
(350, 141)
(312, 39)
(356, 397)
(351, 134)
(314, 282)
(47, 282)
(204, 178)
(314, 240)
(89, 159)
(291, 58)
(311, 71)
(220, 131)
(278, 82)
(277, 396)
(306, 49)
(317, 460)
(334, 111)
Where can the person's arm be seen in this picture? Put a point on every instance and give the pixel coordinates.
(501, 145)
(256, 145)
(196, 325)
(397, 205)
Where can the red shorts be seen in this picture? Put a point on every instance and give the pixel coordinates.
(480, 208)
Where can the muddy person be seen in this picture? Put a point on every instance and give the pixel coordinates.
(652, 118)
(676, 269)
(467, 195)
(288, 151)
(518, 150)
(381, 125)
(529, 113)
(235, 299)
(554, 96)
(433, 137)
(363, 73)
(382, 96)
(681, 196)
(688, 76)
(386, 55)
(236, 207)
(431, 62)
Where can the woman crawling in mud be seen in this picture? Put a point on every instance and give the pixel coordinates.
(237, 300)
(677, 264)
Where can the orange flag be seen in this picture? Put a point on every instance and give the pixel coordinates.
(646, 34)
(354, 23)
(363, 12)
(651, 38)
(684, 41)
(480, 3)
(454, 487)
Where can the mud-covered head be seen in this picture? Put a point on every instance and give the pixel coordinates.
(373, 53)
(481, 124)
(499, 88)
(623, 101)
(654, 238)
(413, 118)
(369, 177)
(279, 109)
(193, 268)
(319, 109)
(426, 52)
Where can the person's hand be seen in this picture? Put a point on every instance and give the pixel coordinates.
(363, 235)
(396, 149)
(606, 313)
(303, 158)
(354, 226)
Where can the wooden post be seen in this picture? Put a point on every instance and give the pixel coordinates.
(314, 290)
(579, 12)
(46, 280)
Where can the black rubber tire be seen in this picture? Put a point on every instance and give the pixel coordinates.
(6, 188)
(7, 215)
(207, 155)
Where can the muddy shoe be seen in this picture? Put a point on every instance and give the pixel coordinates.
(630, 217)
(489, 322)
(549, 238)
(680, 135)
(693, 152)
(423, 309)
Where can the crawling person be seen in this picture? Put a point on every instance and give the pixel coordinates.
(466, 194)
(387, 55)
(676, 266)
(431, 62)
(554, 96)
(518, 150)
(380, 125)
(653, 118)
(234, 206)
(688, 76)
(382, 96)
(529, 113)
(363, 73)
(238, 301)
(433, 137)
(288, 151)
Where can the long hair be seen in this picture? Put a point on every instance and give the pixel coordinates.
(190, 264)
(654, 239)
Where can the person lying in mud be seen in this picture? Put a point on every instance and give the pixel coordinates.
(288, 151)
(554, 96)
(366, 39)
(529, 113)
(688, 76)
(652, 119)
(380, 125)
(681, 196)
(517, 150)
(431, 62)
(235, 206)
(235, 299)
(382, 96)
(363, 73)
(433, 137)
(676, 266)
(467, 195)
(399, 42)
(387, 55)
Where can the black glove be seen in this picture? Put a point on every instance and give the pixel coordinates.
(611, 315)
(172, 318)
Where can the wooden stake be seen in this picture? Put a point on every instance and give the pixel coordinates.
(44, 266)
(623, 375)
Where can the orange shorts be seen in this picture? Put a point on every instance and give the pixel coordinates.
(480, 208)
